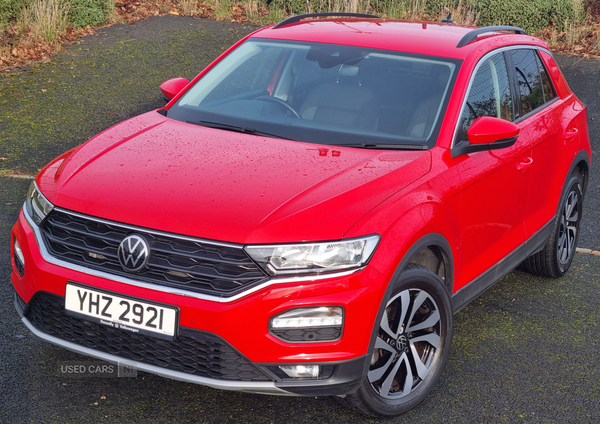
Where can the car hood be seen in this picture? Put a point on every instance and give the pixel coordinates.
(158, 173)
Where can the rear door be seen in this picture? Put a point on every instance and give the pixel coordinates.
(539, 116)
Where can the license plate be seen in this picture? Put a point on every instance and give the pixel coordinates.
(127, 314)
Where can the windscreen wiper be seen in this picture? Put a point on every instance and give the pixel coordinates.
(384, 146)
(235, 128)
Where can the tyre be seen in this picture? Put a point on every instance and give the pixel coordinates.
(411, 348)
(556, 256)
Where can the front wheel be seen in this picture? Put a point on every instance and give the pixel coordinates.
(411, 347)
(555, 258)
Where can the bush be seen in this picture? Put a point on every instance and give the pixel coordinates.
(434, 7)
(532, 16)
(593, 8)
(10, 8)
(89, 12)
(295, 7)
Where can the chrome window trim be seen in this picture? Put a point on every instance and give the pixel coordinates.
(476, 69)
(536, 110)
(164, 289)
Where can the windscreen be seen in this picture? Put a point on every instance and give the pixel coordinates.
(323, 93)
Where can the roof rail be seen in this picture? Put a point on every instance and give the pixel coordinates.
(472, 35)
(298, 18)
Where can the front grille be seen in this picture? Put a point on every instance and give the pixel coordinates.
(184, 263)
(192, 352)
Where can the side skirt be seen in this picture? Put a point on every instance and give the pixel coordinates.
(475, 288)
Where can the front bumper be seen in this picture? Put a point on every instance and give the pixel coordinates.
(346, 378)
(220, 345)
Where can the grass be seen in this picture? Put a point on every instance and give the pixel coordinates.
(190, 7)
(47, 19)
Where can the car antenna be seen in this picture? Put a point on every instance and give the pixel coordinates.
(448, 19)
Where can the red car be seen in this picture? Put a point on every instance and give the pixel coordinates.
(306, 215)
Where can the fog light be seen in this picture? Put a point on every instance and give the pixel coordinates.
(319, 324)
(19, 259)
(301, 371)
(324, 316)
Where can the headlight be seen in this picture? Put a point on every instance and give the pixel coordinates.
(37, 206)
(306, 258)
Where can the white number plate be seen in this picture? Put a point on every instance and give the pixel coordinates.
(119, 312)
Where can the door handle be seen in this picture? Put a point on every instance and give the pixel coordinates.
(571, 134)
(525, 163)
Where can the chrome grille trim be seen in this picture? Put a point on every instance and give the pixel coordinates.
(171, 290)
(181, 262)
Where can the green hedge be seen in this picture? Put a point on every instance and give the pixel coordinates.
(81, 12)
(527, 14)
(10, 8)
(530, 15)
(295, 7)
(89, 12)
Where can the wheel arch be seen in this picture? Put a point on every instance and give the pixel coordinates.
(432, 251)
(581, 166)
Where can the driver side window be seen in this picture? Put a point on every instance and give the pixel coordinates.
(490, 93)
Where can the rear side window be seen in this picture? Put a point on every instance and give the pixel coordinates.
(532, 79)
(490, 93)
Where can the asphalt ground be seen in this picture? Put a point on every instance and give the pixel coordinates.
(526, 351)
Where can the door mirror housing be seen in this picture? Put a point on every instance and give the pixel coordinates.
(172, 87)
(488, 133)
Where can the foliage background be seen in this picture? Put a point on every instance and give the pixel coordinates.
(530, 15)
(81, 12)
(33, 30)
(89, 12)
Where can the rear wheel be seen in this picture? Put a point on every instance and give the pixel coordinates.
(411, 348)
(556, 256)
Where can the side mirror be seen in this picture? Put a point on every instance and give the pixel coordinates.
(172, 87)
(488, 133)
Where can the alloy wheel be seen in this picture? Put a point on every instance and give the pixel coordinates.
(567, 232)
(407, 344)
